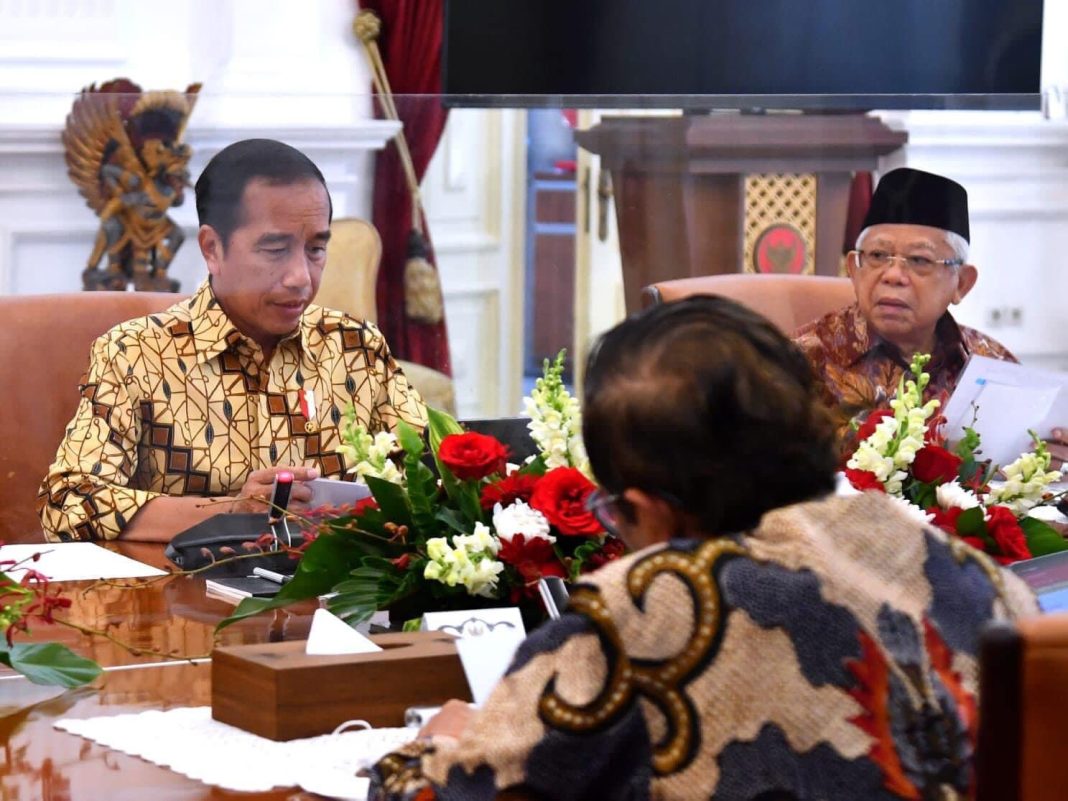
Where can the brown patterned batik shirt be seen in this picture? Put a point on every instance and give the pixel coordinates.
(182, 403)
(859, 371)
(830, 654)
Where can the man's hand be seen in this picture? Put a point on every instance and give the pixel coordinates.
(1057, 443)
(255, 494)
(451, 721)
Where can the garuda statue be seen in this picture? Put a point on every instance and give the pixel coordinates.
(124, 153)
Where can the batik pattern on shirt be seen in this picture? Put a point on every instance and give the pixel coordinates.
(858, 371)
(182, 403)
(830, 654)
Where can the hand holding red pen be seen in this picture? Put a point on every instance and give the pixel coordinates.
(255, 494)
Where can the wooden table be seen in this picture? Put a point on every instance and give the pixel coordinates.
(40, 762)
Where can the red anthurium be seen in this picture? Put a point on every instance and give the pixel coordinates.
(864, 480)
(561, 496)
(1002, 525)
(533, 558)
(516, 487)
(472, 455)
(946, 519)
(612, 549)
(934, 464)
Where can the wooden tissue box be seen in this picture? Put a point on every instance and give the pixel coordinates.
(277, 691)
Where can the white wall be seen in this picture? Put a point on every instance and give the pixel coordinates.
(278, 68)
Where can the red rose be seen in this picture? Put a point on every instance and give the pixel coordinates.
(561, 496)
(864, 480)
(516, 487)
(472, 455)
(935, 464)
(946, 519)
(1001, 524)
(873, 419)
(532, 559)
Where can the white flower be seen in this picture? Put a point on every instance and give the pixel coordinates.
(468, 561)
(556, 420)
(518, 518)
(1026, 480)
(952, 495)
(912, 510)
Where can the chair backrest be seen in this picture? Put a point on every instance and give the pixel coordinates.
(789, 301)
(1023, 710)
(351, 272)
(46, 352)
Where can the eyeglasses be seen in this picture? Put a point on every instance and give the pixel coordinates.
(610, 509)
(923, 266)
(607, 509)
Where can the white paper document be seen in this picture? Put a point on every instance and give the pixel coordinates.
(331, 492)
(486, 659)
(74, 561)
(1004, 400)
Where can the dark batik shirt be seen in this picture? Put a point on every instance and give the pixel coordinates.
(830, 654)
(859, 371)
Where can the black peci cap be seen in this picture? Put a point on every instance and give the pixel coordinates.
(913, 197)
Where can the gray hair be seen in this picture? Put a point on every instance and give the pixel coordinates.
(957, 243)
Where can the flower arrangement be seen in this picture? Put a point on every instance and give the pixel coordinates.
(33, 599)
(481, 532)
(901, 451)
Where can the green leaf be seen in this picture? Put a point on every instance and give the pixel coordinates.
(414, 624)
(441, 424)
(971, 522)
(392, 500)
(535, 467)
(326, 562)
(968, 444)
(409, 439)
(452, 519)
(49, 663)
(1042, 539)
(582, 553)
(422, 492)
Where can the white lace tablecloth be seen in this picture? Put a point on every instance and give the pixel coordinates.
(189, 742)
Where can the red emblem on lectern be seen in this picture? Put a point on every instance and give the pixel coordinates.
(780, 248)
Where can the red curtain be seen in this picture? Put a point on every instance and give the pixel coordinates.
(860, 191)
(410, 43)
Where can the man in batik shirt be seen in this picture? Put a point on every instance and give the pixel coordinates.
(192, 412)
(910, 264)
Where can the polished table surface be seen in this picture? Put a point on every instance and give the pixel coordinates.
(171, 615)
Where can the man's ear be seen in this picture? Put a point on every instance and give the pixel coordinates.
(852, 268)
(211, 248)
(655, 520)
(967, 275)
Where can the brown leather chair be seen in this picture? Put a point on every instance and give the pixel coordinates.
(45, 354)
(1023, 711)
(348, 285)
(789, 301)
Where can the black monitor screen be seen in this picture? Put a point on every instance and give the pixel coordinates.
(770, 53)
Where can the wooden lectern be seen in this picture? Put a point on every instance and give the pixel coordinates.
(680, 185)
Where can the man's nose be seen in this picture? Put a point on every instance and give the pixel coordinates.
(298, 271)
(896, 272)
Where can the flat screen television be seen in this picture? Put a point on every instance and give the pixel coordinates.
(807, 54)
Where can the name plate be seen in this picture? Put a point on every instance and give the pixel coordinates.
(475, 622)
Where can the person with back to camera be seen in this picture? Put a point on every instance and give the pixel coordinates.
(765, 640)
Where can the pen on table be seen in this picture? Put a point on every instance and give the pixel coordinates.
(270, 575)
